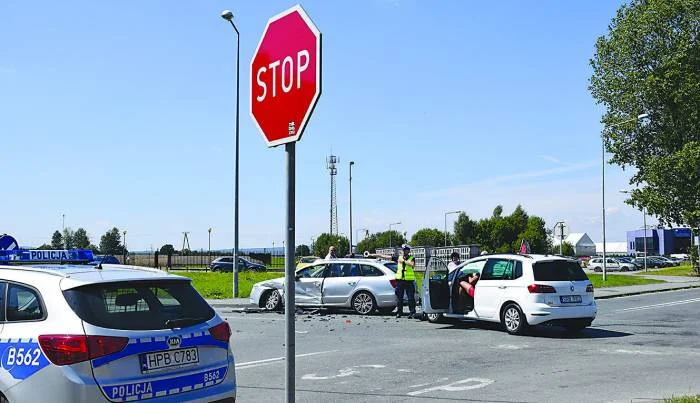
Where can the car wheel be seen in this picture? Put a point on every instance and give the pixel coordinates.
(363, 303)
(273, 300)
(597, 269)
(214, 269)
(3, 399)
(513, 319)
(625, 269)
(435, 317)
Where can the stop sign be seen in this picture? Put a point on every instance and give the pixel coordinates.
(285, 76)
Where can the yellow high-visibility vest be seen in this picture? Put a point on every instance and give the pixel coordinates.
(405, 272)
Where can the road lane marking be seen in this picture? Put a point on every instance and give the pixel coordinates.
(428, 383)
(258, 363)
(458, 386)
(661, 305)
(342, 373)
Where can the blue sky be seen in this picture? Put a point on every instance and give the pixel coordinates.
(121, 114)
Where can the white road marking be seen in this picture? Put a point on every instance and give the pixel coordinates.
(252, 318)
(428, 383)
(258, 363)
(662, 305)
(301, 331)
(458, 386)
(509, 347)
(342, 373)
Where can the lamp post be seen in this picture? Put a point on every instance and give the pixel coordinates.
(446, 214)
(228, 16)
(357, 232)
(644, 213)
(209, 249)
(63, 225)
(350, 181)
(602, 138)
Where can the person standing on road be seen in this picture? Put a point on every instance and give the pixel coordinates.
(331, 253)
(405, 282)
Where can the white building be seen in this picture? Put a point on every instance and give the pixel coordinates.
(612, 248)
(582, 243)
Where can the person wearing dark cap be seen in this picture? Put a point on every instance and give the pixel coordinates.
(405, 282)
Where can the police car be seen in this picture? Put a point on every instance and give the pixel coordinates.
(109, 333)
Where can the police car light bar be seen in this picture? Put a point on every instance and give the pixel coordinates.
(19, 256)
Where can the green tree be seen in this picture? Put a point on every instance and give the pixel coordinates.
(302, 250)
(57, 240)
(381, 240)
(167, 248)
(81, 240)
(68, 238)
(325, 240)
(536, 235)
(567, 249)
(111, 242)
(464, 230)
(649, 62)
(45, 247)
(428, 237)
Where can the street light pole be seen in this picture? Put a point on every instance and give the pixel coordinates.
(394, 223)
(124, 247)
(63, 225)
(602, 138)
(446, 214)
(644, 213)
(351, 164)
(228, 16)
(209, 249)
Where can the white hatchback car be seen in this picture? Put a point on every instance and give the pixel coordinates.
(515, 290)
(364, 285)
(109, 333)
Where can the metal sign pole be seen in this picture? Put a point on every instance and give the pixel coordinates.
(289, 280)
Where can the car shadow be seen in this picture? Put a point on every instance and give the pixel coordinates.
(543, 331)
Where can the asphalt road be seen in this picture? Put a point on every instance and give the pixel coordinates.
(639, 347)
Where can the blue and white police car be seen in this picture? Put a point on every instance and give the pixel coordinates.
(108, 333)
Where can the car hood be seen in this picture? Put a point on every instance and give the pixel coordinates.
(272, 283)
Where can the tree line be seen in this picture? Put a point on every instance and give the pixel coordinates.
(110, 242)
(494, 234)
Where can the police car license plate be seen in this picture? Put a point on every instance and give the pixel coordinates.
(570, 299)
(169, 358)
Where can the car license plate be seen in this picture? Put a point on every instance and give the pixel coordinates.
(169, 358)
(570, 299)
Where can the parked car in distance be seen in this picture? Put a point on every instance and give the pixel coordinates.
(652, 263)
(225, 264)
(612, 264)
(104, 259)
(306, 261)
(670, 262)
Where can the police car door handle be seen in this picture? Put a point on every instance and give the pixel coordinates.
(352, 282)
(502, 287)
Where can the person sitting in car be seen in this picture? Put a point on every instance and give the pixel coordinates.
(465, 292)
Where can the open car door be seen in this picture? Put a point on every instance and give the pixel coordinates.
(435, 291)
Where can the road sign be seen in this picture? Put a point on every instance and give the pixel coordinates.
(285, 76)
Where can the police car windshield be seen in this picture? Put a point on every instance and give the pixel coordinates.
(139, 305)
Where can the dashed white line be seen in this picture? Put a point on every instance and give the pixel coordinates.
(258, 363)
(662, 305)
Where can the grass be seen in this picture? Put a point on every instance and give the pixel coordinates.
(683, 399)
(684, 270)
(619, 280)
(220, 285)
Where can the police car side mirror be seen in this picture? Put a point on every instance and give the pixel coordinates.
(297, 277)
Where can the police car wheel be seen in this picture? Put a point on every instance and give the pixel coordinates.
(273, 300)
(3, 399)
(434, 317)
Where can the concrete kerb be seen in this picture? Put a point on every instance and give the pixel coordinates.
(652, 291)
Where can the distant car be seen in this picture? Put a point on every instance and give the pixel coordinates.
(363, 285)
(612, 264)
(225, 264)
(105, 259)
(670, 262)
(652, 262)
(306, 261)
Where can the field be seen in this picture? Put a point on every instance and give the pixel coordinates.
(684, 270)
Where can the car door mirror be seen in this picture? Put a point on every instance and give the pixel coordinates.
(297, 277)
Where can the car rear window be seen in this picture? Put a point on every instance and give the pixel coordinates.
(138, 305)
(558, 270)
(391, 266)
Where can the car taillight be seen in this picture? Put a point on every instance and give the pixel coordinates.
(540, 289)
(66, 349)
(221, 332)
(393, 282)
(589, 288)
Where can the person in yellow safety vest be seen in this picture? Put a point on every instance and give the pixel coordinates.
(405, 283)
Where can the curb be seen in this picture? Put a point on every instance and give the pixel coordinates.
(627, 294)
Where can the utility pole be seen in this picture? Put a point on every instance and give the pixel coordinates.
(350, 181)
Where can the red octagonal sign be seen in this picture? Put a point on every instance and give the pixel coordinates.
(285, 76)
